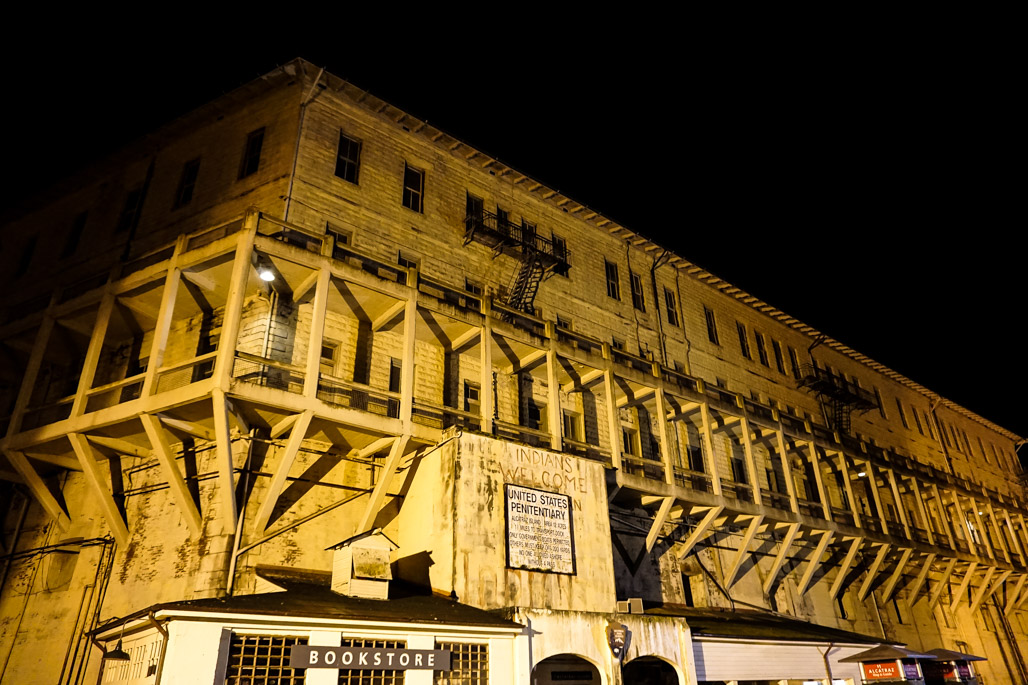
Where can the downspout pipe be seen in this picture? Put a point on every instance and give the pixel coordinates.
(299, 134)
(942, 438)
(657, 263)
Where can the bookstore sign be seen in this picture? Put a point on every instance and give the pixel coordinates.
(540, 533)
(369, 658)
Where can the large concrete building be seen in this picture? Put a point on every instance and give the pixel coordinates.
(301, 376)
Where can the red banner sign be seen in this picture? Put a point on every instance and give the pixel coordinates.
(881, 670)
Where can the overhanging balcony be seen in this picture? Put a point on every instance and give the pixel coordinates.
(516, 241)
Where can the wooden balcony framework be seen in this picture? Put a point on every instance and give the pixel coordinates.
(879, 519)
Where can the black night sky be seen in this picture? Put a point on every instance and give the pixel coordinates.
(866, 185)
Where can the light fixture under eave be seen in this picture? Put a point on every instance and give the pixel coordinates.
(861, 474)
(117, 654)
(266, 274)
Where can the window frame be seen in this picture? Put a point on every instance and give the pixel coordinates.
(671, 307)
(712, 334)
(610, 270)
(744, 340)
(348, 165)
(638, 299)
(250, 163)
(187, 183)
(413, 195)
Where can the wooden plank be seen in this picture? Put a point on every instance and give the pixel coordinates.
(278, 479)
(378, 495)
(897, 574)
(971, 568)
(743, 552)
(699, 531)
(783, 552)
(37, 487)
(915, 588)
(98, 482)
(179, 490)
(814, 562)
(223, 459)
(844, 568)
(658, 522)
(872, 572)
(942, 584)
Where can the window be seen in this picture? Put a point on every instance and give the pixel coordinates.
(469, 664)
(560, 251)
(761, 349)
(613, 287)
(187, 182)
(794, 362)
(629, 441)
(252, 153)
(744, 341)
(881, 405)
(637, 291)
(779, 362)
(617, 344)
(340, 236)
(502, 219)
(408, 261)
(348, 158)
(71, 243)
(472, 287)
(708, 314)
(981, 446)
(902, 415)
(533, 414)
(931, 426)
(352, 676)
(262, 660)
(672, 306)
(329, 356)
(528, 232)
(395, 382)
(563, 323)
(472, 398)
(572, 425)
(130, 210)
(474, 212)
(413, 188)
(917, 420)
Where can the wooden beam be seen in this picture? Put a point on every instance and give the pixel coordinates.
(378, 495)
(98, 482)
(814, 562)
(997, 583)
(311, 280)
(743, 551)
(915, 588)
(120, 446)
(464, 339)
(485, 361)
(709, 455)
(844, 569)
(93, 351)
(373, 448)
(223, 459)
(410, 336)
(282, 426)
(942, 584)
(700, 530)
(319, 309)
(979, 597)
(751, 462)
(56, 460)
(37, 487)
(278, 479)
(232, 319)
(583, 381)
(388, 315)
(783, 551)
(555, 417)
(187, 427)
(1015, 594)
(610, 399)
(897, 574)
(658, 523)
(920, 502)
(162, 327)
(964, 584)
(525, 362)
(876, 566)
(179, 490)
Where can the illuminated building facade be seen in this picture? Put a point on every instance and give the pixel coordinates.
(299, 351)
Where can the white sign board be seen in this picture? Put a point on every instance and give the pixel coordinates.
(540, 535)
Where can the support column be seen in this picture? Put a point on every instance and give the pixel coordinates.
(783, 455)
(663, 434)
(900, 511)
(848, 484)
(161, 449)
(919, 501)
(751, 463)
(241, 266)
(613, 423)
(983, 534)
(873, 480)
(312, 372)
(28, 381)
(37, 487)
(410, 337)
(915, 588)
(98, 482)
(96, 342)
(162, 326)
(224, 459)
(553, 409)
(943, 517)
(822, 492)
(485, 343)
(278, 479)
(708, 443)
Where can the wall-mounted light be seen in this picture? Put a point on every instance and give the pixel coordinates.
(117, 654)
(861, 474)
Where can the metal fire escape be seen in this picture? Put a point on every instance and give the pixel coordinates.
(839, 397)
(538, 257)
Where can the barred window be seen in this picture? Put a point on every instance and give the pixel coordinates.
(469, 664)
(263, 660)
(348, 158)
(378, 676)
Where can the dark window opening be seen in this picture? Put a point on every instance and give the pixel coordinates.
(187, 183)
(672, 307)
(744, 341)
(761, 349)
(348, 158)
(130, 211)
(252, 153)
(711, 326)
(779, 361)
(71, 243)
(413, 188)
(613, 285)
(26, 256)
(637, 291)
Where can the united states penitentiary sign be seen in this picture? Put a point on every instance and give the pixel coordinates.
(540, 534)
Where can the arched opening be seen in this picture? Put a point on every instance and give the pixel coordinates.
(649, 670)
(565, 669)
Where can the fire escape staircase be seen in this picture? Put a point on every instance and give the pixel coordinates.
(538, 257)
(839, 396)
